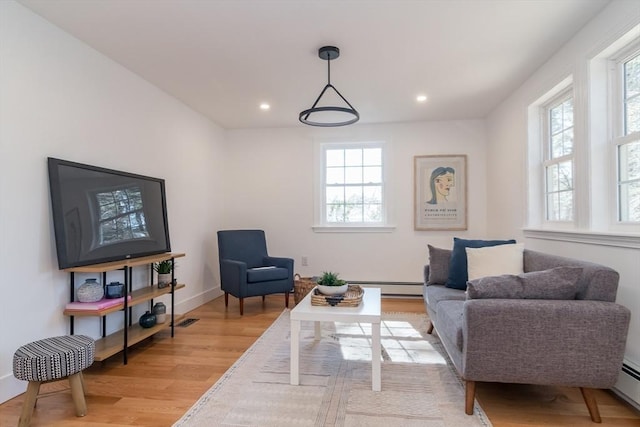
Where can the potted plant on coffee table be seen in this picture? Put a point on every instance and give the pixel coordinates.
(164, 268)
(330, 284)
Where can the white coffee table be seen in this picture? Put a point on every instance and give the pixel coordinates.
(367, 312)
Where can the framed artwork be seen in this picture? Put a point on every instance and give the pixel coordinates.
(440, 192)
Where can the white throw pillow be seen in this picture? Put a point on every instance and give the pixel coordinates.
(495, 260)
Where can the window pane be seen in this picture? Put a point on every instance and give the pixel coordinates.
(632, 115)
(552, 207)
(565, 180)
(372, 194)
(556, 146)
(632, 77)
(372, 156)
(353, 194)
(335, 194)
(555, 118)
(567, 113)
(373, 213)
(335, 157)
(335, 213)
(565, 205)
(353, 213)
(353, 157)
(353, 175)
(630, 202)
(567, 142)
(335, 175)
(629, 161)
(552, 178)
(372, 174)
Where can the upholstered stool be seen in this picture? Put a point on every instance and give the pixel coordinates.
(53, 359)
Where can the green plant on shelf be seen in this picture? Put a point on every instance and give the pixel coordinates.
(164, 267)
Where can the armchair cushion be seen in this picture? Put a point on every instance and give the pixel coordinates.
(458, 274)
(557, 284)
(438, 265)
(264, 274)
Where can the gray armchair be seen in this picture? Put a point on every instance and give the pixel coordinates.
(246, 270)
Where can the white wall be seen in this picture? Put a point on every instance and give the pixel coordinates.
(507, 153)
(60, 98)
(273, 175)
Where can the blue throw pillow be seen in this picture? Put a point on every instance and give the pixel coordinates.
(458, 274)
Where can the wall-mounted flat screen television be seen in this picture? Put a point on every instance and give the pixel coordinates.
(102, 215)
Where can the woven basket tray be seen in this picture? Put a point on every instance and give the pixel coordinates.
(351, 298)
(302, 286)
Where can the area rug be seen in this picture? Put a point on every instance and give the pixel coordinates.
(419, 386)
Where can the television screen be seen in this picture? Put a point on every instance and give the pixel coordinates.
(102, 215)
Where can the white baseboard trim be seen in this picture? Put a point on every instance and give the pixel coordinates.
(10, 387)
(196, 301)
(628, 385)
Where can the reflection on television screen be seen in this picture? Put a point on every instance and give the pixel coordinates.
(121, 215)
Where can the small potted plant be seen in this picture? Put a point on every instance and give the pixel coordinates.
(164, 268)
(330, 284)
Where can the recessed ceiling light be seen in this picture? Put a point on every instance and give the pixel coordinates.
(421, 98)
(264, 106)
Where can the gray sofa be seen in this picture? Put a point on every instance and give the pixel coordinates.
(495, 334)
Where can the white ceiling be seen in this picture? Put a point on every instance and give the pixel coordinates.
(224, 57)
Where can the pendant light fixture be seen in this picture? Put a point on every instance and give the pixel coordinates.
(313, 116)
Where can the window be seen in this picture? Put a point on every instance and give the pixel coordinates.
(626, 138)
(558, 159)
(352, 184)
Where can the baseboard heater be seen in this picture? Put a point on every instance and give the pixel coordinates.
(631, 371)
(404, 289)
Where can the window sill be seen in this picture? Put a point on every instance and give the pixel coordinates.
(353, 228)
(621, 240)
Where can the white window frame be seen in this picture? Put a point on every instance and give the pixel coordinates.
(320, 221)
(616, 126)
(548, 161)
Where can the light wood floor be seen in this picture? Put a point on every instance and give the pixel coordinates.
(165, 376)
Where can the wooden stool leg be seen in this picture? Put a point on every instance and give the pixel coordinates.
(29, 402)
(77, 392)
(590, 399)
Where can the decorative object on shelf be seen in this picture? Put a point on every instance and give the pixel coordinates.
(147, 320)
(329, 112)
(114, 290)
(330, 284)
(160, 310)
(164, 269)
(90, 291)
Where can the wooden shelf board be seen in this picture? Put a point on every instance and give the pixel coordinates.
(116, 265)
(114, 343)
(137, 296)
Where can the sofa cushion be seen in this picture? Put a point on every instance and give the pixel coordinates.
(449, 321)
(557, 283)
(438, 265)
(437, 293)
(458, 274)
(495, 260)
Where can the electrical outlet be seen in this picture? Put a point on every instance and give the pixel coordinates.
(305, 261)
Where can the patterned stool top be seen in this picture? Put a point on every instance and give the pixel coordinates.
(53, 358)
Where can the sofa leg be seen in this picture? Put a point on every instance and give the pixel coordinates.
(241, 306)
(470, 395)
(590, 399)
(226, 299)
(286, 299)
(430, 328)
(263, 297)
